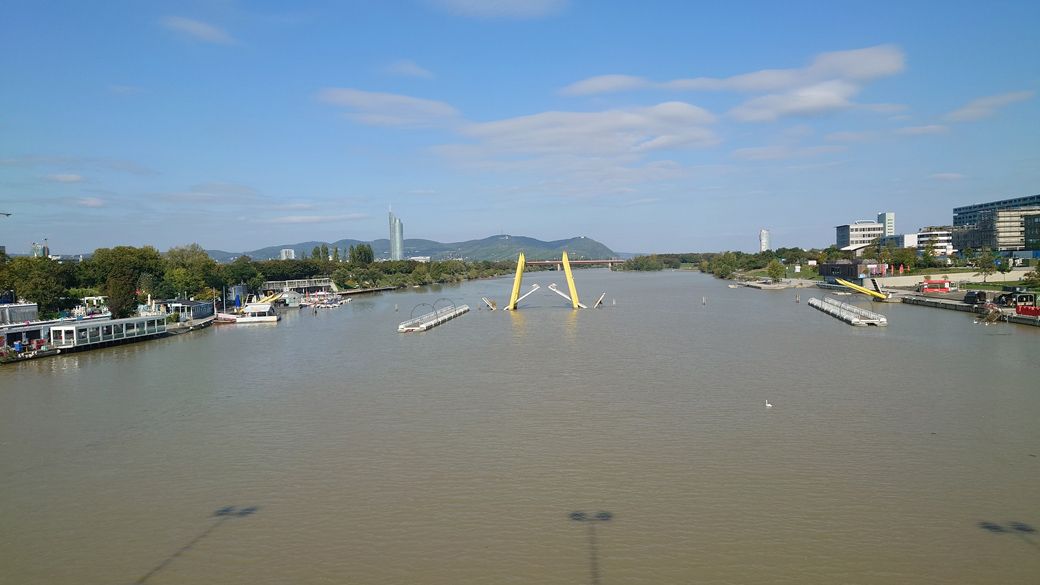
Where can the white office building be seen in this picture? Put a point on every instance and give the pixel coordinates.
(287, 254)
(858, 233)
(763, 240)
(900, 241)
(940, 239)
(888, 220)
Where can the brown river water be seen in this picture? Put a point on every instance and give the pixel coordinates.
(330, 449)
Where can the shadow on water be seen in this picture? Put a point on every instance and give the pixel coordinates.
(1020, 529)
(591, 522)
(222, 515)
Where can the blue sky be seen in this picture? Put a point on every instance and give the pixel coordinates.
(649, 126)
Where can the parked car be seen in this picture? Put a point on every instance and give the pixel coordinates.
(976, 297)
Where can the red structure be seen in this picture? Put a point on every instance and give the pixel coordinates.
(935, 286)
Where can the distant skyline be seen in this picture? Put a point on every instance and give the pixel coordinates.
(650, 127)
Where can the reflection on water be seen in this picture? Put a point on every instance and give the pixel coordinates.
(518, 319)
(453, 457)
(570, 328)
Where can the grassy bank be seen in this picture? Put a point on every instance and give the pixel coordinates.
(996, 285)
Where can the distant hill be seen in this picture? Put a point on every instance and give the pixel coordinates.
(500, 247)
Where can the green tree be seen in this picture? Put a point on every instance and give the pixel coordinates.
(335, 254)
(117, 271)
(1005, 265)
(906, 257)
(200, 271)
(183, 281)
(928, 254)
(775, 270)
(970, 254)
(986, 264)
(40, 281)
(324, 251)
(643, 263)
(122, 296)
(365, 255)
(316, 253)
(241, 271)
(887, 253)
(1032, 278)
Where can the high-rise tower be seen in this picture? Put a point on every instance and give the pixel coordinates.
(763, 240)
(396, 237)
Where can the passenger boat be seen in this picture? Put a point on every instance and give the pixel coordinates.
(257, 313)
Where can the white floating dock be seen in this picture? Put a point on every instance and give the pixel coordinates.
(850, 314)
(431, 320)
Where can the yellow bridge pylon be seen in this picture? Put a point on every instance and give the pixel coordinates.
(570, 282)
(515, 298)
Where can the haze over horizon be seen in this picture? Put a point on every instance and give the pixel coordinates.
(655, 127)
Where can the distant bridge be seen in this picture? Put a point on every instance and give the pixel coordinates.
(610, 262)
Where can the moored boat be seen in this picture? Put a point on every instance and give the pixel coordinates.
(257, 313)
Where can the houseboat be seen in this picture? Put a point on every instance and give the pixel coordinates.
(257, 313)
(81, 335)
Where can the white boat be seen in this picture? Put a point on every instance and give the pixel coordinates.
(257, 313)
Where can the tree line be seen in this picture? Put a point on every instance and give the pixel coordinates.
(128, 275)
(726, 264)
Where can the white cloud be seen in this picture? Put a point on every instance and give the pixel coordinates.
(783, 152)
(198, 30)
(107, 164)
(608, 133)
(518, 9)
(642, 201)
(946, 176)
(987, 106)
(90, 202)
(865, 136)
(827, 84)
(605, 84)
(588, 152)
(214, 192)
(856, 65)
(407, 68)
(298, 219)
(922, 130)
(65, 178)
(388, 109)
(816, 99)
